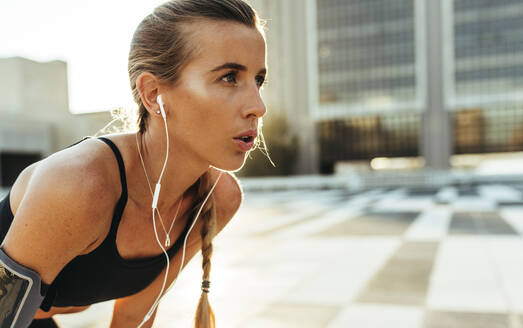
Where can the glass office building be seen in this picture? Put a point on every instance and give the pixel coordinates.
(488, 48)
(487, 75)
(370, 64)
(366, 50)
(367, 71)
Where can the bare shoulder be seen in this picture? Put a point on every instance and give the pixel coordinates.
(81, 172)
(61, 205)
(228, 196)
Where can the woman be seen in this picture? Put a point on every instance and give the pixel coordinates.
(81, 221)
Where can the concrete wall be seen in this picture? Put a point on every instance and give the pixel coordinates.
(34, 108)
(19, 133)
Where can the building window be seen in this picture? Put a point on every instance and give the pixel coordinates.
(366, 51)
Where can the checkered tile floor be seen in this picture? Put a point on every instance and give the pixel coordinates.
(396, 258)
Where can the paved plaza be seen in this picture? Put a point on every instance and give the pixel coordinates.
(447, 257)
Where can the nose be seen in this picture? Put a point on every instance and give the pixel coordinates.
(255, 107)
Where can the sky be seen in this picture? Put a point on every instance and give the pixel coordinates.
(93, 37)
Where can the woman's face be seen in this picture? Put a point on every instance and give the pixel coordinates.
(217, 97)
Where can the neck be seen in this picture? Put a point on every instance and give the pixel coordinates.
(181, 170)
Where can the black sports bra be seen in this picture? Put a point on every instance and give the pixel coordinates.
(102, 274)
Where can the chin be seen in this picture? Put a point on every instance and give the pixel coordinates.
(235, 164)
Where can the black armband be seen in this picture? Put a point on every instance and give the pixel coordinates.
(20, 294)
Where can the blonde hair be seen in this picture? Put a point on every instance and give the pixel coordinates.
(161, 46)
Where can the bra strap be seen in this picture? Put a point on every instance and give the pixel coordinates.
(121, 167)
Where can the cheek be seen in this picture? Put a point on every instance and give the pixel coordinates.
(205, 103)
(202, 114)
(196, 88)
(194, 102)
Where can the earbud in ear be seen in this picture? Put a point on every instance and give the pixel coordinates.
(160, 102)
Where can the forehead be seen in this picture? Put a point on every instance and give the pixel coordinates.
(217, 42)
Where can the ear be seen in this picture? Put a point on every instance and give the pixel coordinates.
(147, 85)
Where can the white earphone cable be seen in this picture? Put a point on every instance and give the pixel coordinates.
(154, 204)
(158, 299)
(158, 185)
(188, 232)
(167, 232)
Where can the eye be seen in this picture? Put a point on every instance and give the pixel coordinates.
(229, 77)
(260, 80)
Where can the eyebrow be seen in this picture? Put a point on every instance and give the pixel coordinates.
(236, 66)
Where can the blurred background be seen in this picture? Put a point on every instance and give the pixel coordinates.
(396, 128)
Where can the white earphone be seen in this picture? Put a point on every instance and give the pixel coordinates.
(160, 102)
(158, 186)
(154, 205)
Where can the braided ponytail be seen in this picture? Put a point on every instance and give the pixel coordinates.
(204, 317)
(162, 46)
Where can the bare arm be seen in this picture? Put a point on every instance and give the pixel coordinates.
(54, 221)
(130, 311)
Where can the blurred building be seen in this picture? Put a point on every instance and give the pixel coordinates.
(367, 55)
(396, 78)
(370, 92)
(34, 114)
(487, 75)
